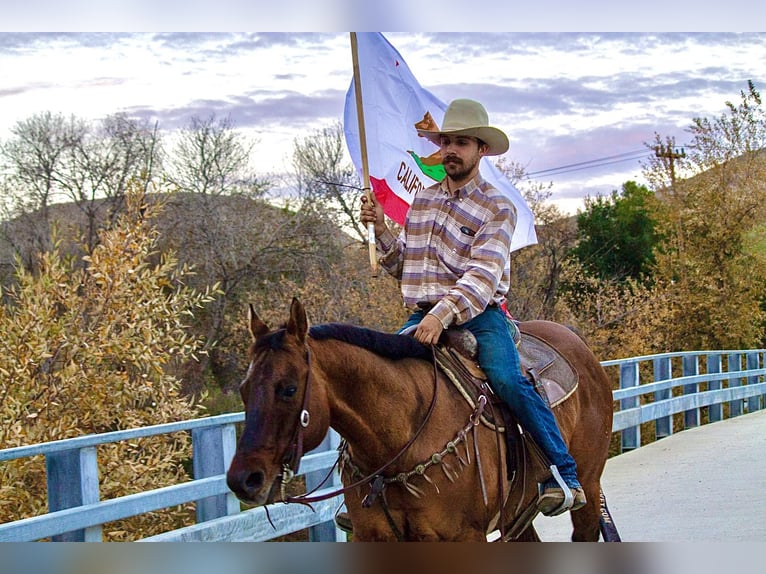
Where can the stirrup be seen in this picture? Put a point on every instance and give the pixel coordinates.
(568, 496)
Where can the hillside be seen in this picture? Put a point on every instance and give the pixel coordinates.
(256, 253)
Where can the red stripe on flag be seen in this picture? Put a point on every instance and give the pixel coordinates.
(393, 205)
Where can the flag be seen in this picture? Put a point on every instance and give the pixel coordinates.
(399, 161)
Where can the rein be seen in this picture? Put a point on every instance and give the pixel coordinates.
(376, 479)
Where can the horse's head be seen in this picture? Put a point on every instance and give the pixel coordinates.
(276, 394)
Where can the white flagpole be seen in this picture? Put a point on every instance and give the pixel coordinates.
(363, 148)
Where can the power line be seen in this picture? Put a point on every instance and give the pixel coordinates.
(593, 163)
(599, 164)
(626, 156)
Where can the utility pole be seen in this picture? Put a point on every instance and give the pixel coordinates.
(671, 153)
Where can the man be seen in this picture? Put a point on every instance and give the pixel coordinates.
(453, 261)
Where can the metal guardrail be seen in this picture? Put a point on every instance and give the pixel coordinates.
(77, 513)
(724, 389)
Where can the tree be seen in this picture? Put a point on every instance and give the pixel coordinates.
(86, 350)
(98, 168)
(212, 158)
(619, 318)
(712, 261)
(617, 236)
(122, 150)
(33, 169)
(708, 279)
(326, 180)
(243, 245)
(52, 158)
(214, 216)
(536, 269)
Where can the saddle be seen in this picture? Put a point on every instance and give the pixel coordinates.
(552, 375)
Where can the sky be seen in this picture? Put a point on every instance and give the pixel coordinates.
(579, 107)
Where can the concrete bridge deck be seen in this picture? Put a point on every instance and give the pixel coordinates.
(704, 484)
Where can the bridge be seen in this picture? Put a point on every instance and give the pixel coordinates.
(689, 455)
(704, 484)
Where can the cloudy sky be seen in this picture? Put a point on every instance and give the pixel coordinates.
(578, 107)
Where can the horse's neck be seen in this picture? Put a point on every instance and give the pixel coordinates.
(373, 401)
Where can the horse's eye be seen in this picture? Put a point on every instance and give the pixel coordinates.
(287, 391)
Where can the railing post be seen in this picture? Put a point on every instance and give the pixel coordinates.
(762, 398)
(327, 531)
(734, 361)
(715, 411)
(663, 368)
(753, 403)
(691, 367)
(213, 449)
(73, 481)
(630, 437)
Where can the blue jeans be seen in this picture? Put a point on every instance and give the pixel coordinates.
(499, 360)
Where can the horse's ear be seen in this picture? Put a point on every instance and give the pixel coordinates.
(298, 325)
(255, 325)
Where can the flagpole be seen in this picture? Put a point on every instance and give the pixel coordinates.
(363, 148)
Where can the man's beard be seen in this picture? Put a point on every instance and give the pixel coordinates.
(458, 170)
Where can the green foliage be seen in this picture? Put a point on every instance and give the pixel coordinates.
(85, 349)
(618, 234)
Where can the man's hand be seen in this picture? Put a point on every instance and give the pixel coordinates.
(372, 212)
(429, 330)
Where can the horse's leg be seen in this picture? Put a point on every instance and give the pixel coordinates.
(372, 535)
(442, 525)
(591, 457)
(371, 525)
(585, 521)
(529, 535)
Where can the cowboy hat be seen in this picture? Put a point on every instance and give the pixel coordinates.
(469, 118)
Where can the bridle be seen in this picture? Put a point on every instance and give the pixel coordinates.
(291, 459)
(376, 480)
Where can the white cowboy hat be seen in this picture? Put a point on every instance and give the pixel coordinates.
(469, 118)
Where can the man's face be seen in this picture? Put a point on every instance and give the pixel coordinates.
(460, 155)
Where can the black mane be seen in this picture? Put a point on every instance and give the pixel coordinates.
(387, 345)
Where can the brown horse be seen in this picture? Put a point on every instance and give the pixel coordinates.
(413, 451)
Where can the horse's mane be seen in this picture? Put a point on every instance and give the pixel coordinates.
(387, 345)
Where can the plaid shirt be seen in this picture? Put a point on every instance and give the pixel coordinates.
(454, 250)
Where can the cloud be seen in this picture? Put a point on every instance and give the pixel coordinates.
(18, 90)
(227, 44)
(256, 110)
(18, 42)
(562, 97)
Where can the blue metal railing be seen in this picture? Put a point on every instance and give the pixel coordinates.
(77, 513)
(721, 385)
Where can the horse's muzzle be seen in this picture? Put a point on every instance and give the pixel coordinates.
(247, 485)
